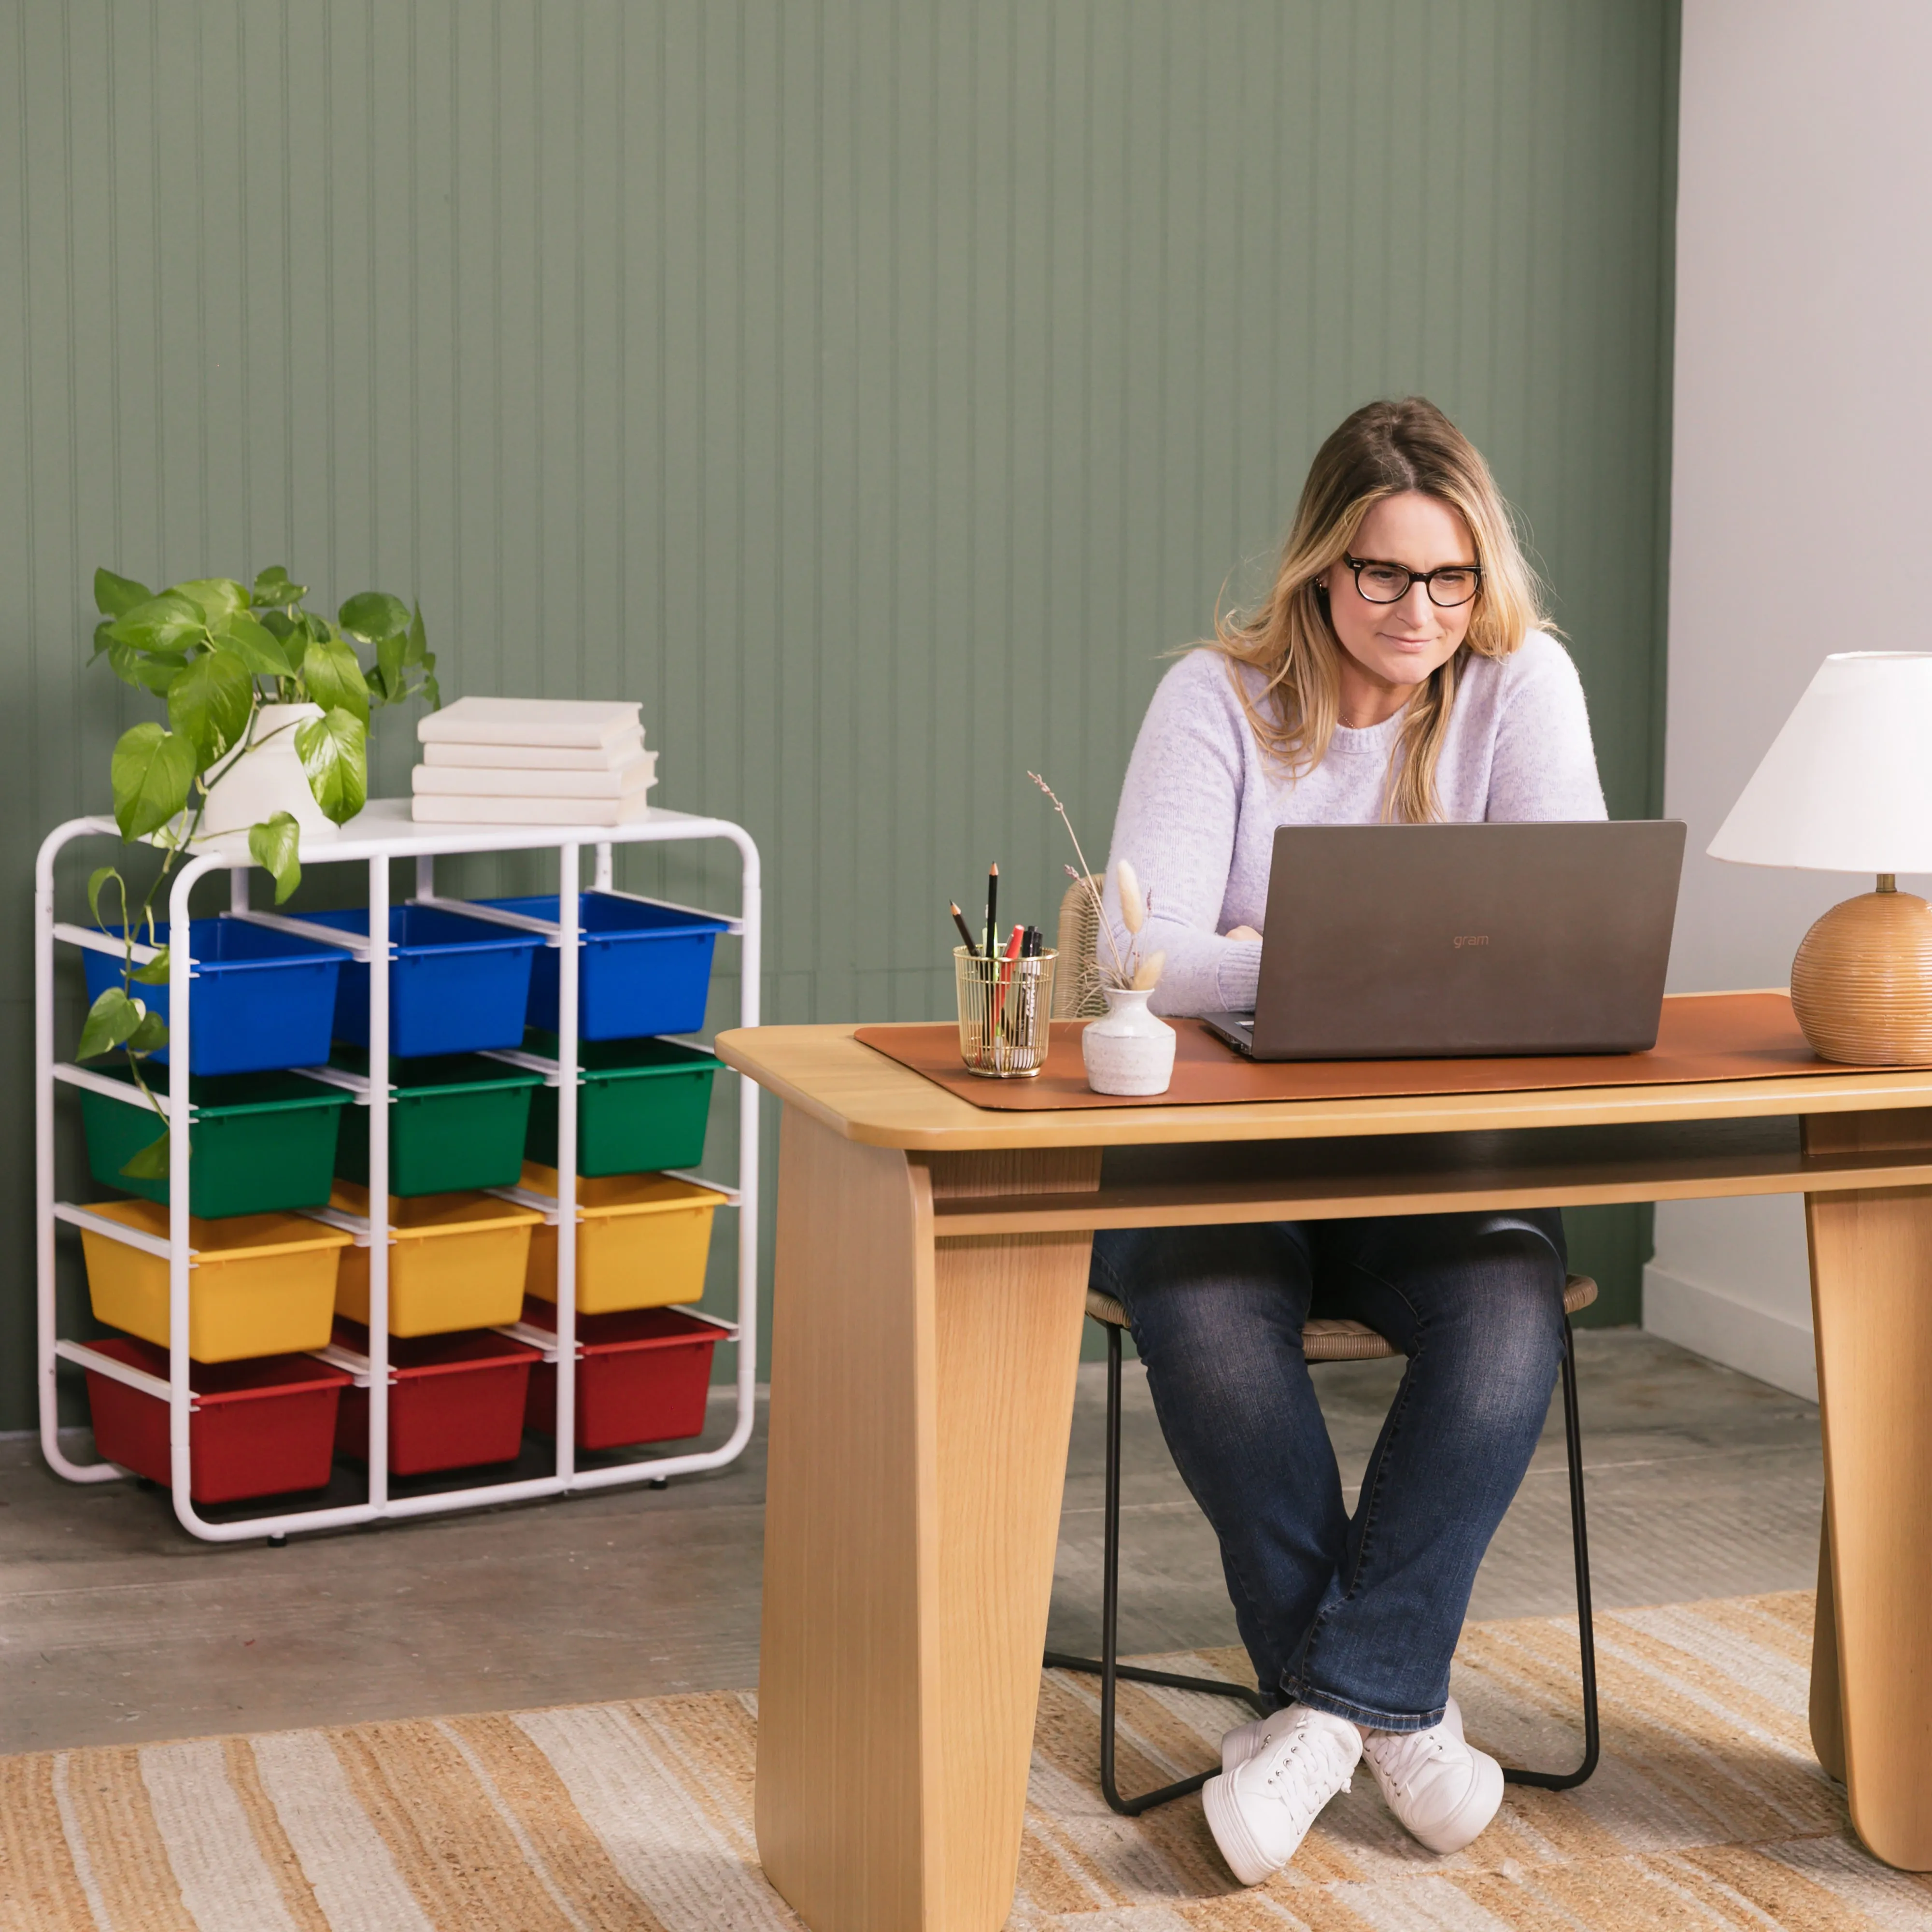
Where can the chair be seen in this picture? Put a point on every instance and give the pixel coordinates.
(1322, 1340)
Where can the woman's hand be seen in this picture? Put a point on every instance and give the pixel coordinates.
(1243, 932)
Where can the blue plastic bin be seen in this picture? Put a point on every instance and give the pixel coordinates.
(456, 985)
(262, 999)
(644, 969)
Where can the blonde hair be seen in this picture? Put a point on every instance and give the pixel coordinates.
(1382, 450)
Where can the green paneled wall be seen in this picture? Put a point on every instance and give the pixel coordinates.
(876, 392)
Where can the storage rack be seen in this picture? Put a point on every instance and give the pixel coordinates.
(383, 832)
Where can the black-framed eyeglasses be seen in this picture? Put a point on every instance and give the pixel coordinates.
(1448, 584)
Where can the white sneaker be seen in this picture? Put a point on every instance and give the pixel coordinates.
(1444, 1790)
(1241, 1744)
(1260, 1811)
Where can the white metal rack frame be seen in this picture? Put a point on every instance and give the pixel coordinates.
(383, 832)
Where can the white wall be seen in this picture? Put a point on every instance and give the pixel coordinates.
(1802, 455)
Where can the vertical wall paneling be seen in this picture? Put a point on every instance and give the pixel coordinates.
(876, 391)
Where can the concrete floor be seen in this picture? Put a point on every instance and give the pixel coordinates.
(115, 1627)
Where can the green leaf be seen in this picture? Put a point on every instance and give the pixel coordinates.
(272, 586)
(254, 645)
(334, 751)
(151, 1163)
(152, 770)
(102, 641)
(334, 678)
(123, 660)
(111, 1019)
(418, 647)
(117, 596)
(392, 656)
(219, 597)
(374, 615)
(96, 880)
(153, 671)
(150, 1036)
(168, 622)
(155, 973)
(433, 691)
(209, 704)
(272, 845)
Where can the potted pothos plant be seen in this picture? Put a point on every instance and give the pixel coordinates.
(267, 706)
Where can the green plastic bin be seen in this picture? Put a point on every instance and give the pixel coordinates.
(642, 1105)
(258, 1143)
(457, 1121)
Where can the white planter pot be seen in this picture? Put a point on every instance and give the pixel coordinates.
(266, 779)
(1130, 1052)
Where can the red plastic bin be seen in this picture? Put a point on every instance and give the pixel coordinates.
(454, 1400)
(642, 1375)
(259, 1428)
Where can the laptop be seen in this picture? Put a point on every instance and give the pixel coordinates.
(1408, 942)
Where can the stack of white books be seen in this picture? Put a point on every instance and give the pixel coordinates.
(532, 761)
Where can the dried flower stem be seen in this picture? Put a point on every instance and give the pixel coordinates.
(1122, 969)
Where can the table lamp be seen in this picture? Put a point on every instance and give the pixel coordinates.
(1846, 786)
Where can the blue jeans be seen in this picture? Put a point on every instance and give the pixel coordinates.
(1358, 1615)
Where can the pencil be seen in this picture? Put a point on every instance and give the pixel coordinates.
(965, 933)
(993, 911)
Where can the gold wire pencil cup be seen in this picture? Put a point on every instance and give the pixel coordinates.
(1006, 1006)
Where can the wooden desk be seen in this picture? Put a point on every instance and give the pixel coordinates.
(932, 1269)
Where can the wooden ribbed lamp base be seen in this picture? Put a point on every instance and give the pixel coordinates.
(1861, 984)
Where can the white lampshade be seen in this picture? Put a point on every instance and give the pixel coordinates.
(1847, 786)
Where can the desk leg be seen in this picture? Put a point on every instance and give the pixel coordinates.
(1828, 1719)
(922, 1393)
(1871, 1298)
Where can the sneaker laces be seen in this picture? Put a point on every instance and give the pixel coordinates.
(1302, 1742)
(1401, 1755)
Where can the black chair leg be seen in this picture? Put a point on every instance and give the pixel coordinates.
(1108, 1667)
(1573, 1439)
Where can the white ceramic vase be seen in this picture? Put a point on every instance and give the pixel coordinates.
(1131, 1050)
(266, 779)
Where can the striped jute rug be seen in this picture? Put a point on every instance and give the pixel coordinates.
(1709, 1811)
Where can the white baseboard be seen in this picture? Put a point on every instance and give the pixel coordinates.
(1717, 1326)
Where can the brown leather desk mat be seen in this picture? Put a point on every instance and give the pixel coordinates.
(1700, 1037)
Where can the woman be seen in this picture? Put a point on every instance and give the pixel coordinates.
(1395, 671)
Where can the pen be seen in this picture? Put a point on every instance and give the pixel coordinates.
(959, 920)
(993, 911)
(1035, 944)
(1029, 989)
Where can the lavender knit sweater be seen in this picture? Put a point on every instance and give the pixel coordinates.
(1200, 801)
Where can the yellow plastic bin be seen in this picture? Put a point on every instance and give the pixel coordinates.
(258, 1285)
(456, 1260)
(641, 1241)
